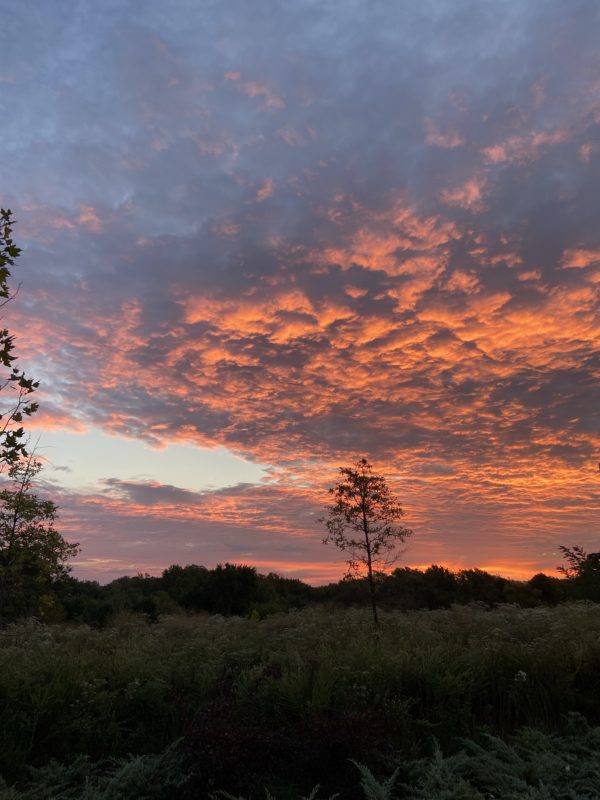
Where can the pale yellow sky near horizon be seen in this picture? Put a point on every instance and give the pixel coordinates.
(81, 461)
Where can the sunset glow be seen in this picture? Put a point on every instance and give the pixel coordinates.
(262, 240)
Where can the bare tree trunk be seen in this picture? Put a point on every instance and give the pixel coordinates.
(372, 586)
(369, 558)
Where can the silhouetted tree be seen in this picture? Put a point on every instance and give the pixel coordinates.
(233, 588)
(188, 586)
(440, 586)
(33, 555)
(363, 521)
(228, 589)
(276, 593)
(582, 570)
(478, 585)
(578, 561)
(85, 602)
(18, 405)
(404, 588)
(551, 590)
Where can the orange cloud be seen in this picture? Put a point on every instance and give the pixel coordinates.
(226, 228)
(88, 217)
(580, 258)
(266, 190)
(254, 89)
(520, 149)
(380, 341)
(448, 139)
(585, 152)
(468, 195)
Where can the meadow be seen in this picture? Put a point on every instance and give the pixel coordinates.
(465, 703)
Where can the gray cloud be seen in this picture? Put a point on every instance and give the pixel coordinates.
(315, 229)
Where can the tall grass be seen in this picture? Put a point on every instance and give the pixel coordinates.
(291, 698)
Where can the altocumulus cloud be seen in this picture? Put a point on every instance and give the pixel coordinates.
(310, 231)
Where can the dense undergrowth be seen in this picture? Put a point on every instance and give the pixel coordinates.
(459, 703)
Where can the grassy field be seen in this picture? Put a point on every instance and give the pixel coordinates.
(465, 703)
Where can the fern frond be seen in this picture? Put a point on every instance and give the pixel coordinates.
(374, 789)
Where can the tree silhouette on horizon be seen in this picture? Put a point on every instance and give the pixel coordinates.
(364, 521)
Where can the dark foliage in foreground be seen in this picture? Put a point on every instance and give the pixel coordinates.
(189, 705)
(531, 765)
(17, 387)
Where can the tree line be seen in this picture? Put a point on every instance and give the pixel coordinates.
(238, 589)
(364, 520)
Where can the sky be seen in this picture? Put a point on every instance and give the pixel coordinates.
(264, 239)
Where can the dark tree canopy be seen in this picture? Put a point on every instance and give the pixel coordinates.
(364, 521)
(33, 554)
(583, 570)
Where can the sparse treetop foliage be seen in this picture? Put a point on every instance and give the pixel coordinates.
(578, 562)
(583, 569)
(12, 434)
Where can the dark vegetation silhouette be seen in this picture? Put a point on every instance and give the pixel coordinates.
(583, 571)
(501, 702)
(239, 590)
(33, 555)
(364, 522)
(15, 386)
